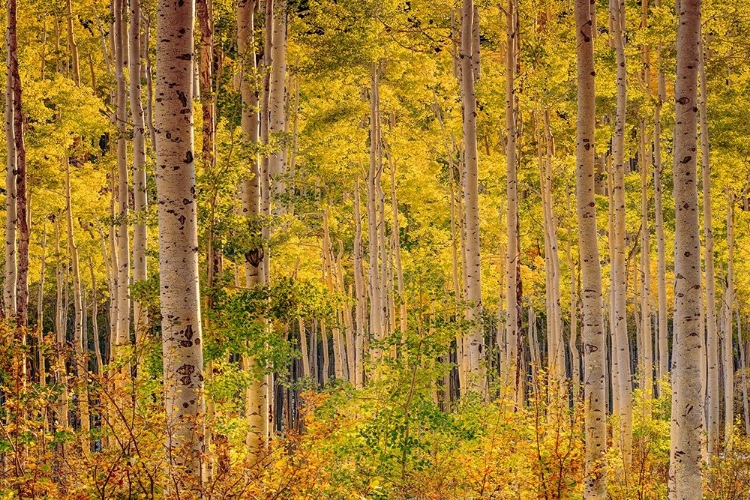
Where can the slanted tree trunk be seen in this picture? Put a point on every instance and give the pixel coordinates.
(475, 343)
(178, 244)
(139, 164)
(621, 361)
(687, 401)
(594, 339)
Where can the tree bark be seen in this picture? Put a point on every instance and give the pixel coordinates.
(712, 335)
(22, 273)
(621, 365)
(727, 333)
(122, 336)
(661, 272)
(140, 206)
(647, 374)
(11, 220)
(474, 340)
(594, 340)
(687, 401)
(178, 243)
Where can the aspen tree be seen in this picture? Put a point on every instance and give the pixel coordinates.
(359, 290)
(647, 380)
(661, 272)
(712, 335)
(255, 397)
(594, 340)
(556, 346)
(95, 320)
(73, 45)
(572, 340)
(178, 243)
(11, 220)
(122, 335)
(619, 275)
(727, 333)
(78, 322)
(277, 95)
(373, 182)
(687, 400)
(474, 340)
(140, 234)
(22, 210)
(743, 367)
(40, 311)
(512, 371)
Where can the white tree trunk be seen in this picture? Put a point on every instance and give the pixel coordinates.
(594, 339)
(727, 333)
(712, 343)
(475, 343)
(621, 360)
(139, 163)
(122, 335)
(9, 291)
(687, 400)
(178, 241)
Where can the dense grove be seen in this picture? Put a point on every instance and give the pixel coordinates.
(376, 249)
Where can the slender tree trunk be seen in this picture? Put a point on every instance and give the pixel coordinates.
(73, 46)
(647, 377)
(743, 366)
(661, 273)
(360, 291)
(11, 220)
(40, 312)
(687, 401)
(255, 397)
(95, 320)
(78, 330)
(178, 243)
(22, 270)
(594, 339)
(574, 354)
(619, 275)
(139, 164)
(727, 330)
(475, 343)
(712, 343)
(122, 336)
(511, 375)
(373, 183)
(277, 94)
